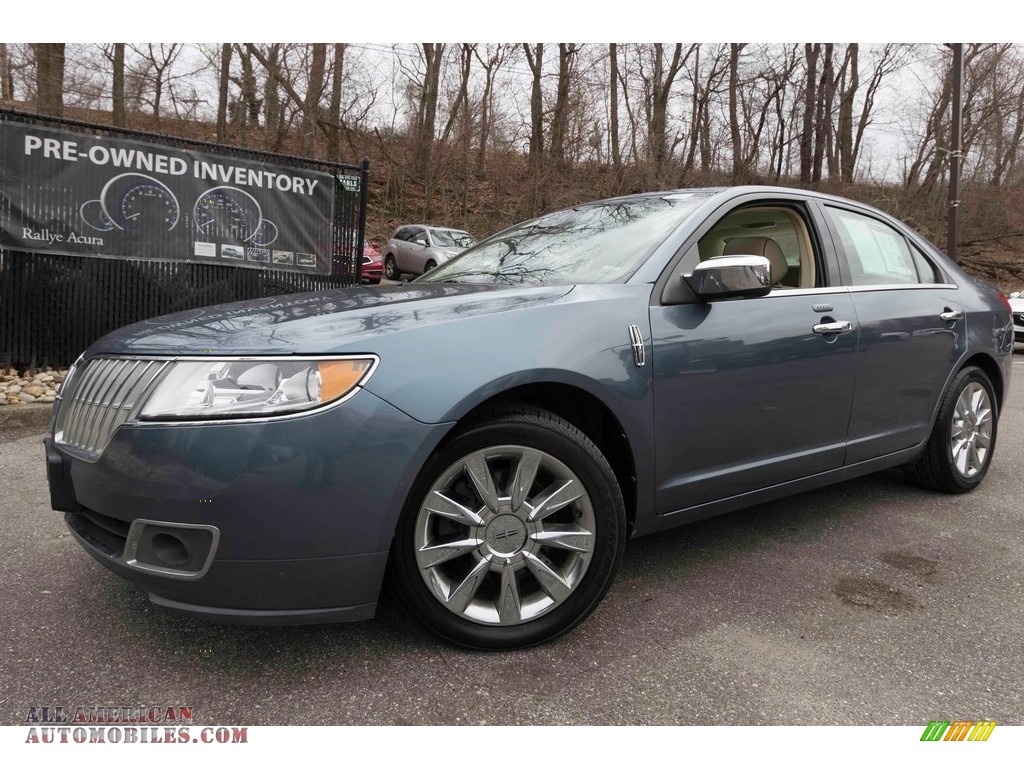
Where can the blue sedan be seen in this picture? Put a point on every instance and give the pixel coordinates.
(487, 438)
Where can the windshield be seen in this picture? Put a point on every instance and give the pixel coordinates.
(597, 243)
(452, 238)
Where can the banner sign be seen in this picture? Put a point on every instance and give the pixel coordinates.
(71, 193)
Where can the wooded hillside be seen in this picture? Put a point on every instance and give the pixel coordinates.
(480, 136)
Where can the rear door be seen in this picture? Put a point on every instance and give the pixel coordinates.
(912, 332)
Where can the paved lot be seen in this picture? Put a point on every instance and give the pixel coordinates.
(872, 602)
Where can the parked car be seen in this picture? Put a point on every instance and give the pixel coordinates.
(594, 375)
(1017, 307)
(373, 265)
(418, 248)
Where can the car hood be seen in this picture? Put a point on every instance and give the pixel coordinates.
(317, 323)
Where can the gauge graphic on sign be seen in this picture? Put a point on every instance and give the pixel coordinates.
(228, 213)
(133, 202)
(91, 212)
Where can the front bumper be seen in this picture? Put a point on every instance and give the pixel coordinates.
(278, 521)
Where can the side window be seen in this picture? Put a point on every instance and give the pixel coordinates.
(776, 232)
(403, 233)
(926, 270)
(876, 253)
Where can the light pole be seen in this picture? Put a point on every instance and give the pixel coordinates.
(954, 152)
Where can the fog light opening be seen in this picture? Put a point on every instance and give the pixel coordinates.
(170, 549)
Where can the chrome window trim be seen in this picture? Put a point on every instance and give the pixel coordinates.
(777, 292)
(903, 287)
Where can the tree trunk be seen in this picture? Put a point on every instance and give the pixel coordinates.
(560, 116)
(274, 115)
(823, 115)
(6, 76)
(661, 88)
(613, 119)
(844, 139)
(222, 96)
(460, 109)
(334, 132)
(811, 53)
(49, 78)
(432, 55)
(117, 95)
(311, 106)
(535, 59)
(738, 171)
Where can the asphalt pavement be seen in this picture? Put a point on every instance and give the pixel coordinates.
(871, 602)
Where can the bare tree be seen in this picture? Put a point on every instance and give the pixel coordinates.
(657, 86)
(567, 55)
(311, 104)
(493, 61)
(222, 91)
(334, 132)
(49, 78)
(6, 76)
(735, 49)
(535, 60)
(613, 106)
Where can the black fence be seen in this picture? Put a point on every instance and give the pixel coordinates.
(54, 306)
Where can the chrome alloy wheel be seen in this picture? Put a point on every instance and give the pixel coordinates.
(971, 435)
(504, 535)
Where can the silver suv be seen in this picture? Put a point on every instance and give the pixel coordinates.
(418, 248)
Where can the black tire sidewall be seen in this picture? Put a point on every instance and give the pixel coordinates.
(586, 462)
(391, 268)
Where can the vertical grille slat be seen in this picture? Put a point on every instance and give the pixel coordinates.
(105, 394)
(100, 404)
(89, 407)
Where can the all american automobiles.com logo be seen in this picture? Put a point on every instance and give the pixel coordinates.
(125, 725)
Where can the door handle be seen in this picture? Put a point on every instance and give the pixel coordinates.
(951, 315)
(840, 327)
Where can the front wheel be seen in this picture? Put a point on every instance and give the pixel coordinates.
(391, 268)
(959, 450)
(512, 533)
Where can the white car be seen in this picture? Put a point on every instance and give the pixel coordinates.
(1017, 308)
(418, 248)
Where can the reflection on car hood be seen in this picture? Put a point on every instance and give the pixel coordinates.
(316, 323)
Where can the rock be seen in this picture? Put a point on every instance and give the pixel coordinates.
(25, 398)
(35, 390)
(3, 401)
(47, 399)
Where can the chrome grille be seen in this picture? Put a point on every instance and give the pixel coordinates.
(100, 397)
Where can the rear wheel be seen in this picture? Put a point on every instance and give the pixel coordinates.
(512, 534)
(959, 450)
(431, 264)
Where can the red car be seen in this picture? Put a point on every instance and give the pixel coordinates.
(373, 267)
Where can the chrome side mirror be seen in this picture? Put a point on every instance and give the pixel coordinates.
(727, 277)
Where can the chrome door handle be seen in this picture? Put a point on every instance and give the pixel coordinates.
(951, 315)
(824, 329)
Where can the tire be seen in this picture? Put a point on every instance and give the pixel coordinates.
(959, 450)
(391, 268)
(431, 264)
(490, 564)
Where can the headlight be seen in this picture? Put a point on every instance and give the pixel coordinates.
(206, 389)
